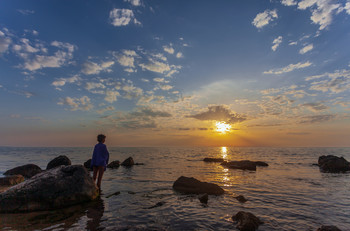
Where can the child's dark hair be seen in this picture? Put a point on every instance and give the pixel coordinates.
(100, 137)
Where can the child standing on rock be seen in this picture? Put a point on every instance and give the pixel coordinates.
(99, 161)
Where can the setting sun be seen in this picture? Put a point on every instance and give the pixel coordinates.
(222, 127)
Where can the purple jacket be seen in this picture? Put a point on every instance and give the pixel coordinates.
(100, 157)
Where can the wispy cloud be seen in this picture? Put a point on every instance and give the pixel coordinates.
(169, 49)
(75, 104)
(315, 106)
(264, 18)
(26, 12)
(219, 113)
(5, 42)
(316, 118)
(122, 17)
(62, 81)
(289, 68)
(134, 2)
(276, 42)
(336, 82)
(306, 49)
(90, 68)
(289, 2)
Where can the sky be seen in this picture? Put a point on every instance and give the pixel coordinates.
(175, 73)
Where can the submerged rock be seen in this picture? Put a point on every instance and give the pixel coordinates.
(113, 194)
(114, 164)
(58, 161)
(87, 164)
(334, 164)
(216, 160)
(246, 221)
(161, 203)
(11, 180)
(55, 188)
(203, 198)
(28, 170)
(241, 199)
(243, 164)
(261, 163)
(328, 228)
(128, 162)
(190, 185)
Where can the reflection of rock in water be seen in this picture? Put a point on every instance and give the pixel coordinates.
(94, 213)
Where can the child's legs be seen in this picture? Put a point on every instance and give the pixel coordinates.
(100, 171)
(94, 176)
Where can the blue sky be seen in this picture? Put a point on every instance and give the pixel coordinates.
(150, 73)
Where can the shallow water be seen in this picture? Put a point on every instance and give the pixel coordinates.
(289, 194)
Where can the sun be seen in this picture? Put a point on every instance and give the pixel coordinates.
(222, 127)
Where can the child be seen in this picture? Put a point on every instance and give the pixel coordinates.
(99, 160)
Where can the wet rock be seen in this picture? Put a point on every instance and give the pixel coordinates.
(58, 161)
(113, 194)
(139, 164)
(246, 221)
(243, 164)
(216, 160)
(55, 188)
(114, 164)
(27, 170)
(328, 228)
(128, 162)
(161, 203)
(261, 163)
(190, 185)
(11, 180)
(241, 199)
(87, 165)
(333, 164)
(203, 198)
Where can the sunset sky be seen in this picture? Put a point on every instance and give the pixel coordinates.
(165, 73)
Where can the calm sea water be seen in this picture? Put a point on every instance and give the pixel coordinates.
(290, 194)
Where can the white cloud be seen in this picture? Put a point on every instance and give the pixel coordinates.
(62, 81)
(5, 42)
(111, 96)
(134, 2)
(110, 108)
(160, 67)
(322, 11)
(315, 107)
(91, 85)
(159, 80)
(90, 68)
(169, 49)
(75, 104)
(289, 2)
(26, 12)
(179, 55)
(122, 17)
(276, 42)
(306, 49)
(132, 92)
(289, 68)
(336, 82)
(165, 87)
(293, 43)
(347, 7)
(264, 18)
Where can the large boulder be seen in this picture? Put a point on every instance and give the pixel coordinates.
(11, 180)
(87, 164)
(27, 170)
(58, 161)
(114, 164)
(328, 228)
(334, 164)
(246, 221)
(55, 188)
(128, 162)
(190, 185)
(216, 160)
(243, 164)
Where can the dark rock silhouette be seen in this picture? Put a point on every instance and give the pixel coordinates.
(333, 164)
(216, 160)
(246, 221)
(328, 228)
(113, 194)
(87, 164)
(128, 162)
(27, 170)
(243, 164)
(114, 164)
(58, 161)
(190, 185)
(203, 198)
(11, 180)
(55, 188)
(241, 199)
(161, 203)
(261, 163)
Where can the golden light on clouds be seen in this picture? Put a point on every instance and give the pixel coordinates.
(222, 127)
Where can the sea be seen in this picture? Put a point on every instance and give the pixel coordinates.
(290, 194)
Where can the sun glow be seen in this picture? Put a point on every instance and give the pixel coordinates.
(222, 127)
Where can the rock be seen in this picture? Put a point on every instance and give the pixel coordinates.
(261, 163)
(190, 185)
(113, 194)
(161, 203)
(216, 160)
(11, 180)
(328, 228)
(87, 165)
(243, 164)
(333, 164)
(58, 161)
(241, 199)
(55, 188)
(27, 170)
(246, 221)
(203, 198)
(128, 162)
(139, 164)
(114, 164)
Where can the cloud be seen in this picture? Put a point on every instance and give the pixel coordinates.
(322, 11)
(111, 96)
(160, 67)
(316, 119)
(276, 42)
(306, 49)
(165, 87)
(122, 17)
(289, 2)
(110, 108)
(75, 104)
(5, 42)
(169, 49)
(149, 112)
(289, 68)
(336, 82)
(131, 92)
(179, 55)
(90, 68)
(62, 81)
(126, 59)
(347, 7)
(219, 113)
(264, 18)
(159, 80)
(26, 12)
(134, 2)
(315, 106)
(92, 85)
